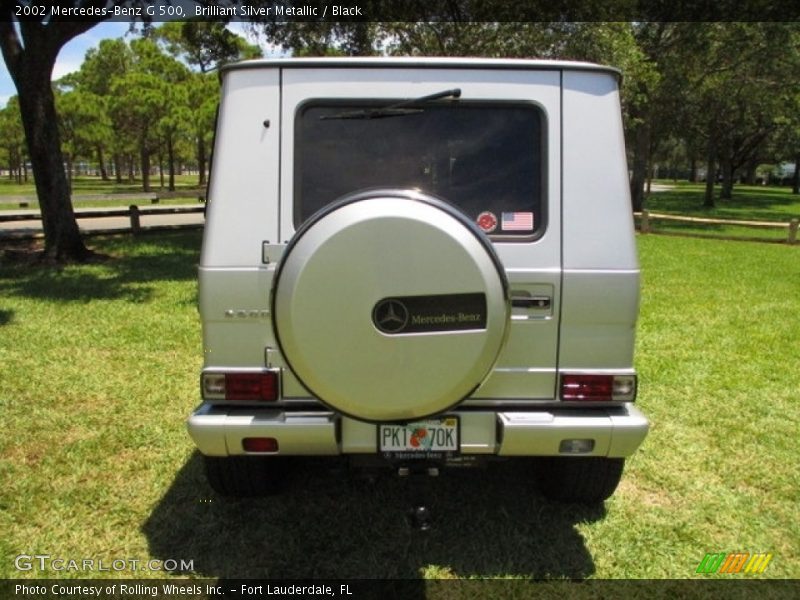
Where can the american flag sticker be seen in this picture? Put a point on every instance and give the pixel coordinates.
(517, 221)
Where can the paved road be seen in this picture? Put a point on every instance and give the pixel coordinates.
(16, 228)
(661, 187)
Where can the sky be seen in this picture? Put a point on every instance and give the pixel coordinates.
(71, 55)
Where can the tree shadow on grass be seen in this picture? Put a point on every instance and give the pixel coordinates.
(132, 264)
(747, 204)
(6, 316)
(329, 523)
(718, 230)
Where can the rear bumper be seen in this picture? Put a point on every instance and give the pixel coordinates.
(616, 432)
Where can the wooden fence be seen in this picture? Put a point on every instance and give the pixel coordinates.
(646, 219)
(133, 213)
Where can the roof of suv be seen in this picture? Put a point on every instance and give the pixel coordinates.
(418, 62)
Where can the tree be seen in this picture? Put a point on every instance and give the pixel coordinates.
(173, 124)
(83, 123)
(753, 72)
(30, 50)
(734, 81)
(647, 100)
(204, 44)
(203, 91)
(101, 66)
(787, 140)
(324, 38)
(168, 98)
(149, 105)
(12, 139)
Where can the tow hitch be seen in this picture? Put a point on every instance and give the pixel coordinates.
(418, 490)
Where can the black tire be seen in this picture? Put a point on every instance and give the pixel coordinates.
(245, 476)
(586, 480)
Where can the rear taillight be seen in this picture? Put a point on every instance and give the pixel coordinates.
(598, 388)
(260, 444)
(261, 386)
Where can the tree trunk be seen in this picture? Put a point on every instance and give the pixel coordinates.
(711, 175)
(201, 161)
(750, 174)
(117, 160)
(641, 145)
(17, 168)
(727, 179)
(171, 163)
(101, 160)
(796, 177)
(30, 62)
(68, 160)
(161, 171)
(145, 160)
(362, 40)
(693, 170)
(63, 240)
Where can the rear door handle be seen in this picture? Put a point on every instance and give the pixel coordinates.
(530, 301)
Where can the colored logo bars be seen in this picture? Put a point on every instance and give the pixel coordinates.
(735, 562)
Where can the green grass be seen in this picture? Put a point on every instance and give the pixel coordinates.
(756, 203)
(100, 368)
(143, 202)
(95, 185)
(121, 203)
(749, 203)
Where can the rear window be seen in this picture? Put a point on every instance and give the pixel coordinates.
(485, 159)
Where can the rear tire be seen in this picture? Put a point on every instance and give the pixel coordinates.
(245, 476)
(585, 480)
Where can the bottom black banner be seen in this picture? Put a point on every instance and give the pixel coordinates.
(387, 589)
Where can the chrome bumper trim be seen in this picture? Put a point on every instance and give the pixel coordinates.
(219, 431)
(617, 432)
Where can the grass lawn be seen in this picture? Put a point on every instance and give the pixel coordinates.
(95, 185)
(142, 202)
(118, 203)
(749, 203)
(99, 366)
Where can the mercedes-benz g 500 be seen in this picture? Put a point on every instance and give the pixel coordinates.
(421, 262)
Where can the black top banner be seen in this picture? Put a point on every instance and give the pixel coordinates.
(277, 11)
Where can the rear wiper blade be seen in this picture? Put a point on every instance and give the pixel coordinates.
(373, 113)
(394, 110)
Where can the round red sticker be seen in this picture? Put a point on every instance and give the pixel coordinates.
(487, 221)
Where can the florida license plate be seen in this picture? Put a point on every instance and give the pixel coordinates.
(431, 438)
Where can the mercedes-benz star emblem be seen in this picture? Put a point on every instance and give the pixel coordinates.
(390, 316)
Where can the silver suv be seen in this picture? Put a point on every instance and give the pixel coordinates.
(419, 263)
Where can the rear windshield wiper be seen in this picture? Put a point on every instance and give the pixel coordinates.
(398, 109)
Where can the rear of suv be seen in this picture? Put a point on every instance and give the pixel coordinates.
(415, 263)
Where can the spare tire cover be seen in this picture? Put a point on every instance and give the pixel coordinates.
(390, 305)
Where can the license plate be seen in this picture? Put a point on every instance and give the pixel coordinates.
(431, 438)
